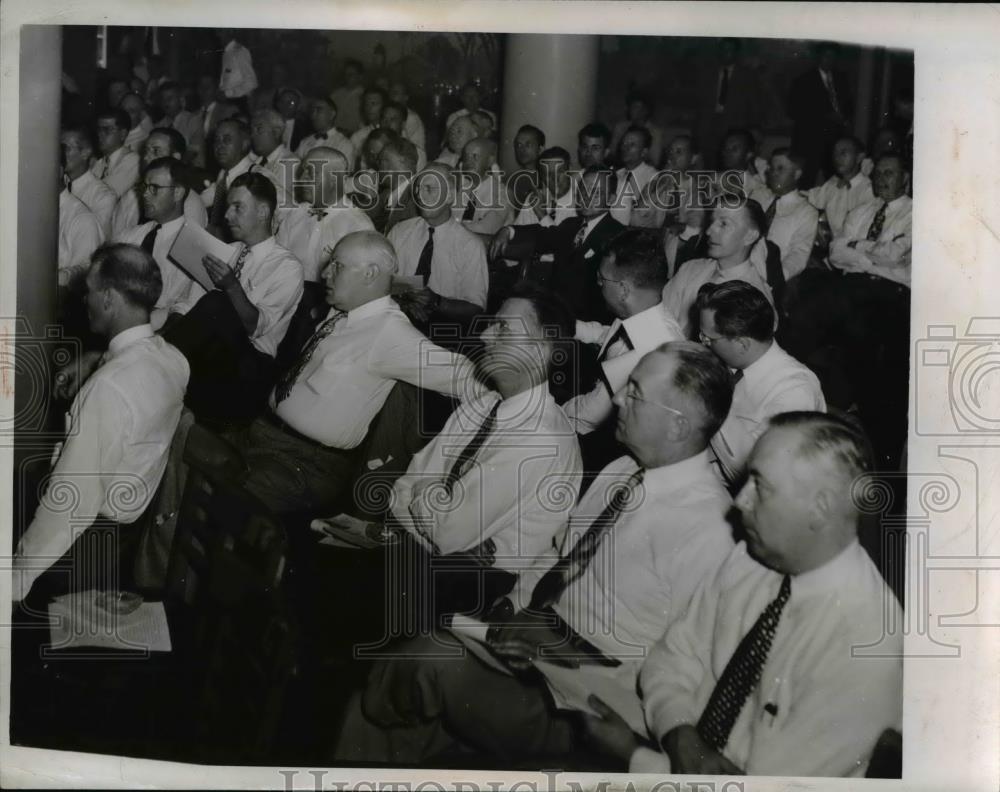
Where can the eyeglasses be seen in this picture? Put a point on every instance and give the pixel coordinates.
(601, 280)
(708, 340)
(631, 395)
(145, 187)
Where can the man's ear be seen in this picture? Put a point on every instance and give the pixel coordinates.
(823, 508)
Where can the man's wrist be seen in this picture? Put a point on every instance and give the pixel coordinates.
(227, 281)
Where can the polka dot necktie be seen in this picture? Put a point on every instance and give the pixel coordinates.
(284, 385)
(742, 673)
(875, 229)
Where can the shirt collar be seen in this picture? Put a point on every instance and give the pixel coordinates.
(592, 223)
(238, 169)
(680, 475)
(370, 308)
(525, 404)
(127, 337)
(261, 250)
(763, 364)
(899, 202)
(832, 575)
(790, 199)
(649, 317)
(83, 178)
(115, 156)
(173, 225)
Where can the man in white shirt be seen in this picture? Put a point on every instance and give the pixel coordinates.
(529, 142)
(231, 334)
(767, 672)
(499, 459)
(413, 127)
(325, 214)
(162, 142)
(791, 219)
(738, 172)
(117, 167)
(444, 262)
(847, 189)
(79, 236)
(232, 151)
(211, 113)
(631, 275)
(121, 422)
(99, 198)
(164, 198)
(593, 145)
(348, 96)
(555, 198)
(238, 78)
(141, 123)
(271, 156)
(460, 132)
(372, 102)
(388, 198)
(634, 174)
(322, 113)
(736, 252)
(300, 451)
(482, 199)
(471, 103)
(737, 324)
(620, 576)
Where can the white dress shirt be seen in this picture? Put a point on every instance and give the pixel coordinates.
(518, 490)
(312, 234)
(838, 200)
(332, 138)
(774, 383)
(187, 123)
(126, 214)
(631, 183)
(793, 229)
(681, 291)
(649, 564)
(272, 280)
(448, 157)
(98, 197)
(346, 381)
(491, 209)
(413, 129)
(119, 430)
(176, 283)
(280, 169)
(562, 208)
(645, 331)
(889, 255)
(119, 170)
(80, 235)
(238, 77)
(241, 167)
(458, 266)
(822, 700)
(656, 139)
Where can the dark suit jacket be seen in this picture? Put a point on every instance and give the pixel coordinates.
(573, 275)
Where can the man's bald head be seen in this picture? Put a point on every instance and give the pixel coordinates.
(461, 131)
(361, 269)
(479, 155)
(321, 176)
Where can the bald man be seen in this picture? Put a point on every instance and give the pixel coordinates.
(481, 204)
(324, 213)
(460, 132)
(826, 676)
(271, 156)
(300, 452)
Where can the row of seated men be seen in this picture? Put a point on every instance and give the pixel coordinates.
(727, 684)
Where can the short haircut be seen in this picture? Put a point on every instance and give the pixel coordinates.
(638, 256)
(122, 119)
(552, 312)
(169, 85)
(379, 133)
(178, 144)
(390, 105)
(793, 156)
(271, 116)
(259, 186)
(404, 149)
(130, 271)
(328, 101)
(179, 172)
(743, 134)
(829, 436)
(531, 129)
(242, 127)
(288, 90)
(896, 155)
(85, 135)
(595, 129)
(757, 215)
(647, 136)
(131, 93)
(859, 147)
(374, 90)
(609, 173)
(741, 310)
(701, 375)
(555, 152)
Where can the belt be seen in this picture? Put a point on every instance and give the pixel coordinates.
(273, 419)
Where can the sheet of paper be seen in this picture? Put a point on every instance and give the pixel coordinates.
(191, 245)
(571, 686)
(347, 531)
(77, 620)
(467, 632)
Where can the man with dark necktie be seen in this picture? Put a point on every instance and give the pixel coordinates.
(768, 673)
(646, 533)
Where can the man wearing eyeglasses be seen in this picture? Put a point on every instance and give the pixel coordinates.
(163, 199)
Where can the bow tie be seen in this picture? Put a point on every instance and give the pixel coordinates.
(322, 135)
(843, 184)
(318, 212)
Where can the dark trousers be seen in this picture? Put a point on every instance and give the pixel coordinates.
(230, 377)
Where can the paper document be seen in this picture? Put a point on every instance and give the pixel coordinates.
(77, 620)
(347, 531)
(472, 633)
(190, 247)
(570, 688)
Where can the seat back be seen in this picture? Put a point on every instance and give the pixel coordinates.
(302, 325)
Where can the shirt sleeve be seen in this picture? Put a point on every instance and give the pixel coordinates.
(474, 273)
(591, 332)
(126, 176)
(589, 410)
(795, 257)
(78, 487)
(280, 297)
(85, 236)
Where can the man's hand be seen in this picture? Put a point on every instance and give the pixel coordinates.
(689, 753)
(418, 304)
(518, 643)
(608, 732)
(218, 270)
(71, 377)
(498, 247)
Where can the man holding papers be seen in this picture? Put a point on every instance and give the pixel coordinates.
(230, 335)
(647, 532)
